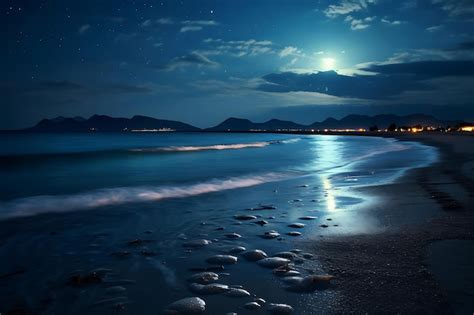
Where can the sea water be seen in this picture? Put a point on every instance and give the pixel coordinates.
(123, 205)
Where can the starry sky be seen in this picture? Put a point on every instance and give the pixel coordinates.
(203, 61)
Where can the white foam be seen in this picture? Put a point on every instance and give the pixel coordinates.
(116, 196)
(234, 146)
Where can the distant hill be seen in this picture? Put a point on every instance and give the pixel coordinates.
(106, 123)
(348, 122)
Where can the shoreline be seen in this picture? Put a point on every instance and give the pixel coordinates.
(388, 272)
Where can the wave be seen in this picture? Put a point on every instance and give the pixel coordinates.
(234, 146)
(35, 205)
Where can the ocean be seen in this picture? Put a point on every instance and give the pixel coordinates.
(129, 209)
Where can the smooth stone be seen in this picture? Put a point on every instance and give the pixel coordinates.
(271, 218)
(293, 233)
(204, 277)
(309, 283)
(308, 255)
(254, 254)
(296, 225)
(236, 292)
(208, 268)
(236, 250)
(324, 225)
(252, 306)
(271, 234)
(190, 305)
(303, 186)
(285, 271)
(308, 217)
(232, 235)
(211, 288)
(263, 207)
(260, 301)
(261, 222)
(197, 243)
(245, 217)
(222, 259)
(287, 255)
(280, 308)
(273, 262)
(296, 251)
(297, 200)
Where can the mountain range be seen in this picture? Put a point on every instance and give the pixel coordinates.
(107, 123)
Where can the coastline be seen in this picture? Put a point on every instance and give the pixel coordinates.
(388, 272)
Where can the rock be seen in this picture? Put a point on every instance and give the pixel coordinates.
(204, 277)
(260, 301)
(245, 217)
(287, 255)
(296, 250)
(115, 290)
(309, 283)
(297, 200)
(222, 259)
(232, 235)
(280, 308)
(308, 255)
(190, 305)
(121, 254)
(293, 233)
(273, 262)
(254, 254)
(252, 306)
(236, 250)
(208, 268)
(261, 222)
(303, 186)
(285, 271)
(324, 225)
(211, 288)
(271, 234)
(329, 219)
(220, 228)
(308, 217)
(263, 207)
(235, 292)
(296, 225)
(87, 279)
(197, 243)
(139, 242)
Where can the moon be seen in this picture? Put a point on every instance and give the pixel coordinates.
(328, 64)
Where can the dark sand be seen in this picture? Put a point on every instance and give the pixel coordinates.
(390, 272)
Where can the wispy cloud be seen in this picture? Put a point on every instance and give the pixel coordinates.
(456, 7)
(197, 25)
(389, 22)
(359, 24)
(165, 21)
(192, 59)
(346, 7)
(289, 51)
(238, 48)
(83, 29)
(434, 28)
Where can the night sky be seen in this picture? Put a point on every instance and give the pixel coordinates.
(203, 61)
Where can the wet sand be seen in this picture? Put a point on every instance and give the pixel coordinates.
(392, 271)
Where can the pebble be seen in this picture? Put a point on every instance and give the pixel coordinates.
(261, 222)
(324, 225)
(245, 217)
(280, 308)
(222, 259)
(308, 255)
(236, 250)
(287, 255)
(190, 305)
(204, 277)
(232, 235)
(296, 225)
(260, 301)
(254, 254)
(211, 288)
(271, 234)
(293, 233)
(308, 217)
(235, 292)
(197, 243)
(273, 262)
(252, 306)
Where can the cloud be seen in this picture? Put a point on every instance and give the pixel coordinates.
(196, 25)
(65, 86)
(387, 21)
(52, 85)
(456, 7)
(237, 48)
(146, 23)
(289, 51)
(165, 21)
(386, 81)
(463, 46)
(83, 29)
(359, 24)
(192, 59)
(346, 7)
(434, 28)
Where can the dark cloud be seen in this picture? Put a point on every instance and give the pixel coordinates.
(63, 85)
(463, 46)
(332, 83)
(192, 59)
(388, 79)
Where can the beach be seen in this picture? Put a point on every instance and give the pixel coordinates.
(367, 217)
(393, 271)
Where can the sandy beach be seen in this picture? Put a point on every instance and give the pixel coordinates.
(409, 267)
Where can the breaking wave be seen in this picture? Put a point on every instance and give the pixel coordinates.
(34, 205)
(235, 146)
